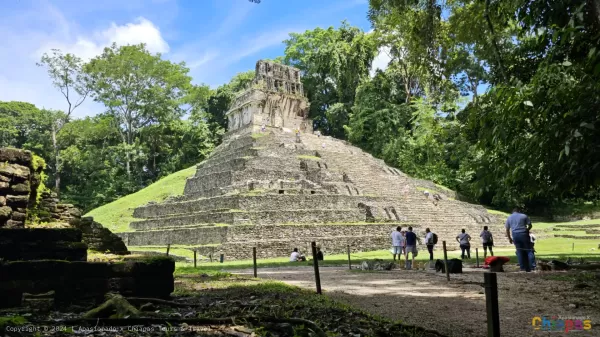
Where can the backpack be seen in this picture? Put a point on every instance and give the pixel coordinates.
(434, 238)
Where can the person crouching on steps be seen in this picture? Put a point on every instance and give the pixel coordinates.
(411, 247)
(397, 242)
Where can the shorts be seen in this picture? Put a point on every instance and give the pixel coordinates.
(488, 244)
(396, 249)
(412, 249)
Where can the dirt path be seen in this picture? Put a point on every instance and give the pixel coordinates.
(426, 299)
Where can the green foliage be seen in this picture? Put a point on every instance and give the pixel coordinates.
(11, 321)
(333, 63)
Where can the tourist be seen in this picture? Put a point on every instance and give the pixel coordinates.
(397, 242)
(465, 245)
(296, 256)
(263, 128)
(429, 242)
(411, 247)
(318, 134)
(519, 225)
(487, 240)
(531, 253)
(297, 135)
(319, 254)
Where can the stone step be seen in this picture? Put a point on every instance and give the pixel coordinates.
(180, 236)
(196, 185)
(254, 203)
(253, 217)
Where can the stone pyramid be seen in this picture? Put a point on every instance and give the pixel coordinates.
(276, 185)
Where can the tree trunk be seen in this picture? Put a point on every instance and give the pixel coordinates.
(56, 170)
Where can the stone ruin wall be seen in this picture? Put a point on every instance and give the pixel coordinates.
(51, 210)
(19, 180)
(274, 99)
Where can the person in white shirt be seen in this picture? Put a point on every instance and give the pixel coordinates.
(295, 257)
(429, 243)
(465, 244)
(397, 242)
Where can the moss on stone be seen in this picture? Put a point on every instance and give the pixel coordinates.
(11, 321)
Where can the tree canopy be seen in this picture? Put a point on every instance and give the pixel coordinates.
(496, 99)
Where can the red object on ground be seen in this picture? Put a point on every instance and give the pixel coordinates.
(495, 259)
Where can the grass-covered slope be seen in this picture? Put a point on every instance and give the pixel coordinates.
(117, 215)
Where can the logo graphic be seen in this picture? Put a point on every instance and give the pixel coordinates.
(561, 324)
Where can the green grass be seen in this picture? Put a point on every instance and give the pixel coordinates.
(117, 215)
(546, 249)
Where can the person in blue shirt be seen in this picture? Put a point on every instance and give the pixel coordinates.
(519, 225)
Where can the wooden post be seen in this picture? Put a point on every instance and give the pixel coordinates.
(195, 258)
(349, 262)
(316, 265)
(254, 259)
(477, 256)
(168, 249)
(491, 304)
(446, 261)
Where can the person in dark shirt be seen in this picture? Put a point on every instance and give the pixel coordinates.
(411, 247)
(319, 254)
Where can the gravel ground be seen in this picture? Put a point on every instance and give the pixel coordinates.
(455, 308)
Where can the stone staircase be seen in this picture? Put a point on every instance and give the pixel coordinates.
(270, 191)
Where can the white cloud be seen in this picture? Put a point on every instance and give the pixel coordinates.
(88, 46)
(27, 34)
(381, 61)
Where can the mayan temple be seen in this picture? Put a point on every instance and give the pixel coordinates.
(270, 186)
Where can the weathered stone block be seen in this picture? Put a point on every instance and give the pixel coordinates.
(17, 200)
(14, 224)
(14, 171)
(4, 185)
(29, 251)
(4, 178)
(22, 188)
(22, 157)
(2, 200)
(18, 216)
(40, 234)
(5, 212)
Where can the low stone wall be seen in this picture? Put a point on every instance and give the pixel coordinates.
(51, 210)
(282, 248)
(99, 238)
(19, 180)
(297, 232)
(73, 282)
(253, 202)
(42, 243)
(183, 236)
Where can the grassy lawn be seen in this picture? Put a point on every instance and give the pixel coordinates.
(546, 249)
(117, 215)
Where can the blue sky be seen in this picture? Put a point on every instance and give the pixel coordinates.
(216, 38)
